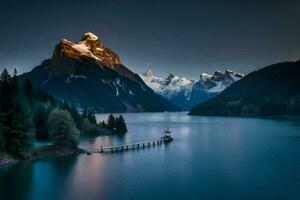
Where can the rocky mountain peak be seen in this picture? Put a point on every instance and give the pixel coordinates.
(89, 75)
(90, 36)
(170, 76)
(218, 76)
(205, 76)
(89, 47)
(233, 75)
(227, 75)
(92, 41)
(186, 93)
(148, 74)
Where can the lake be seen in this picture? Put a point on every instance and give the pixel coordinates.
(209, 158)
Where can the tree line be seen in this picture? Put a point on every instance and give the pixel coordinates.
(115, 124)
(27, 115)
(270, 91)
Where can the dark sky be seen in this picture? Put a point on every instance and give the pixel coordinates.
(183, 37)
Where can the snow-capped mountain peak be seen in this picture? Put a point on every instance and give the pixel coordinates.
(234, 75)
(205, 76)
(91, 36)
(218, 81)
(88, 74)
(170, 77)
(167, 86)
(186, 93)
(148, 74)
(90, 47)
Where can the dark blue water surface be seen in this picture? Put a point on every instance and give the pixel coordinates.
(210, 158)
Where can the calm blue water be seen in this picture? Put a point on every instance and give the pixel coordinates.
(210, 158)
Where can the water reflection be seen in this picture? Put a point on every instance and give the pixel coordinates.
(59, 171)
(210, 158)
(12, 189)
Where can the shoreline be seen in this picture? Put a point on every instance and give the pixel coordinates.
(38, 153)
(249, 116)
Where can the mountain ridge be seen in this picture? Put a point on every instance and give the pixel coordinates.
(187, 93)
(90, 75)
(269, 91)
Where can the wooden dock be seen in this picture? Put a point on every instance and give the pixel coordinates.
(135, 145)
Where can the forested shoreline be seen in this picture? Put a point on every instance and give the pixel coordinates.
(272, 91)
(27, 115)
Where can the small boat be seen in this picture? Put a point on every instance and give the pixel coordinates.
(167, 135)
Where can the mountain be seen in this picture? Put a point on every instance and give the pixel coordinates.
(188, 93)
(270, 91)
(174, 88)
(88, 74)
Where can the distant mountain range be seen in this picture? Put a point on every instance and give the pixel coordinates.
(188, 93)
(90, 75)
(270, 91)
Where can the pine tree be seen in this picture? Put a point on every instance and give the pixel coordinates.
(15, 73)
(121, 125)
(92, 118)
(6, 100)
(21, 134)
(46, 98)
(5, 76)
(3, 130)
(29, 91)
(15, 121)
(103, 124)
(40, 121)
(76, 116)
(2, 142)
(111, 123)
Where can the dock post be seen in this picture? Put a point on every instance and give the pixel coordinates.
(101, 150)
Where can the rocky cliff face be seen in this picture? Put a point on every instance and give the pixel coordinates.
(218, 81)
(90, 47)
(90, 75)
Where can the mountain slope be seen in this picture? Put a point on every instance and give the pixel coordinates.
(176, 89)
(90, 75)
(270, 91)
(188, 93)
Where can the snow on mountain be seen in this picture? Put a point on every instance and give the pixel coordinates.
(90, 75)
(187, 93)
(168, 87)
(90, 47)
(152, 81)
(217, 82)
